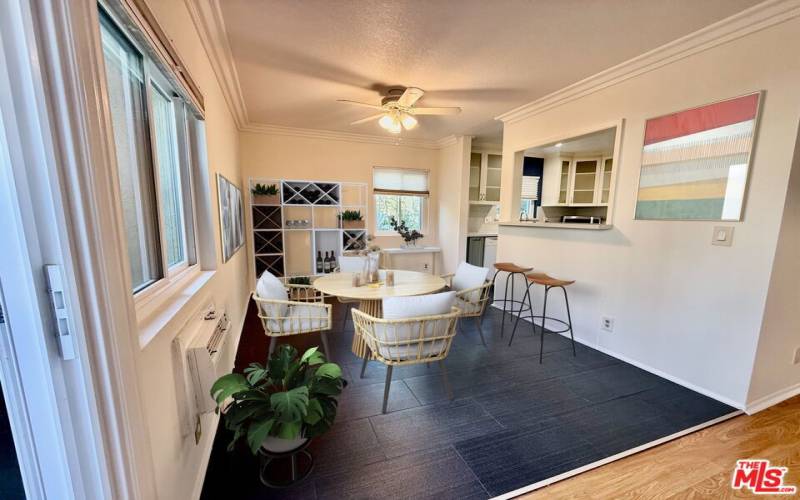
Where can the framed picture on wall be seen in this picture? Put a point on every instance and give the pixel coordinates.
(695, 163)
(231, 217)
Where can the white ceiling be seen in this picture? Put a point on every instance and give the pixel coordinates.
(601, 141)
(294, 58)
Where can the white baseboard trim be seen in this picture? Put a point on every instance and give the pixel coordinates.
(654, 371)
(772, 399)
(614, 458)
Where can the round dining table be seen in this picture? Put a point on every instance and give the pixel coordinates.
(406, 283)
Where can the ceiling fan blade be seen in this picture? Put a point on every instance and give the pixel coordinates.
(435, 111)
(410, 96)
(367, 119)
(364, 104)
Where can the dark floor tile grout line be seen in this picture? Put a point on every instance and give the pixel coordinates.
(474, 474)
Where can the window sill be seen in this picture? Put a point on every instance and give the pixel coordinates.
(162, 309)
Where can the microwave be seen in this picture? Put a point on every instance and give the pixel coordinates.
(581, 219)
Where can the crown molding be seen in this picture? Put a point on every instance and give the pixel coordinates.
(756, 18)
(207, 18)
(332, 135)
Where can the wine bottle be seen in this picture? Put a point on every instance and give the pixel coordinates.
(326, 263)
(319, 263)
(333, 261)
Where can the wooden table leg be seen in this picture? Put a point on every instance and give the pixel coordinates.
(373, 308)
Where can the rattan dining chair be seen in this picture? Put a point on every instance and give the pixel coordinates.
(407, 341)
(300, 309)
(472, 292)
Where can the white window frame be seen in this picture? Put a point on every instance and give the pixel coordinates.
(174, 277)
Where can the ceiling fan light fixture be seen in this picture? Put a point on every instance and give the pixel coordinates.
(408, 121)
(390, 122)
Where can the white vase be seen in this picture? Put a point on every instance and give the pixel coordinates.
(279, 445)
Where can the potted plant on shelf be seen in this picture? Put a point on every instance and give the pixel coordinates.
(282, 405)
(410, 237)
(352, 219)
(265, 194)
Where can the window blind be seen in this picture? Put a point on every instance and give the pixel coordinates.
(403, 181)
(530, 187)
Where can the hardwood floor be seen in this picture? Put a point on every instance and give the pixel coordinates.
(699, 465)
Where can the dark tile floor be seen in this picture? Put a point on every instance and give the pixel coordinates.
(513, 422)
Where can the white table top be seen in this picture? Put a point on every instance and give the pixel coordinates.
(405, 283)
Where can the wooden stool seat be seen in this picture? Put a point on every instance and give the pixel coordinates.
(545, 280)
(510, 267)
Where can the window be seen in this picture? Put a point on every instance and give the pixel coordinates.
(149, 123)
(399, 193)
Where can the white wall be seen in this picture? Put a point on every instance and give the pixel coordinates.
(688, 309)
(179, 463)
(274, 156)
(773, 371)
(453, 202)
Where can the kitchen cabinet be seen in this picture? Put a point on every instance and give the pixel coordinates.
(484, 176)
(585, 182)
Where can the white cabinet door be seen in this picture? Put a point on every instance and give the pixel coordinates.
(585, 178)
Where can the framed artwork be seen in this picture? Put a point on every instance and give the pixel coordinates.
(695, 163)
(231, 217)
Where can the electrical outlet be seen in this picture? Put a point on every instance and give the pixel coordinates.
(607, 324)
(796, 359)
(425, 266)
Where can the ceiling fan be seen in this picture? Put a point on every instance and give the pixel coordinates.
(397, 111)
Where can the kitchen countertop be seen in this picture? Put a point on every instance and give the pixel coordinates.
(558, 225)
(412, 250)
(482, 234)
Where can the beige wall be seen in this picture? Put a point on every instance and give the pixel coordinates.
(773, 371)
(304, 158)
(453, 177)
(179, 463)
(684, 308)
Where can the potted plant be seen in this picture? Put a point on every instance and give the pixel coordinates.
(282, 405)
(265, 195)
(352, 219)
(410, 237)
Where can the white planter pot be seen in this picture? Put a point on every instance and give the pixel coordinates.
(279, 445)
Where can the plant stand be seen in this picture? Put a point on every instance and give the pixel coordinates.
(266, 458)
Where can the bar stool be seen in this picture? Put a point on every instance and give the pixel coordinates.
(513, 270)
(549, 283)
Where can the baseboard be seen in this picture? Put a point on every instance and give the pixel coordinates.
(654, 371)
(772, 399)
(614, 458)
(206, 457)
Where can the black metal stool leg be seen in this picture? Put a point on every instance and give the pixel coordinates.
(513, 277)
(569, 320)
(526, 296)
(544, 319)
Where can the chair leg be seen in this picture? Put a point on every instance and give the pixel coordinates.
(327, 349)
(367, 355)
(526, 296)
(272, 342)
(386, 387)
(505, 300)
(569, 320)
(445, 380)
(513, 277)
(544, 320)
(479, 319)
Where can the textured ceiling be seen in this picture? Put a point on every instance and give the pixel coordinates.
(296, 57)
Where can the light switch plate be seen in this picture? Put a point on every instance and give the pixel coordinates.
(722, 236)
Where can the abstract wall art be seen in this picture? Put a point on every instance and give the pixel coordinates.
(231, 217)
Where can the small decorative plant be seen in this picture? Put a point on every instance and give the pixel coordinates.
(300, 280)
(410, 236)
(265, 194)
(352, 219)
(290, 398)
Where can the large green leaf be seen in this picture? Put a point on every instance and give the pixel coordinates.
(290, 406)
(228, 385)
(289, 430)
(256, 374)
(330, 370)
(326, 385)
(314, 414)
(312, 357)
(280, 361)
(257, 433)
